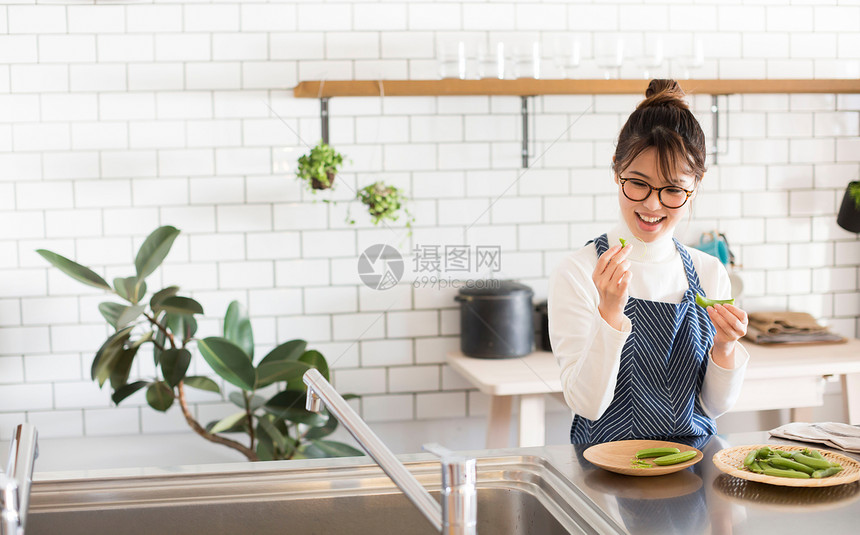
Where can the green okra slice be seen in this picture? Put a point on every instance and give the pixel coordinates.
(827, 472)
(789, 464)
(675, 458)
(655, 452)
(812, 462)
(779, 472)
(704, 302)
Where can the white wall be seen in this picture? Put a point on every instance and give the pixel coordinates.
(117, 117)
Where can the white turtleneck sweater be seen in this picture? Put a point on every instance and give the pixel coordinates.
(589, 350)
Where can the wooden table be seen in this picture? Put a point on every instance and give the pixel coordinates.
(777, 377)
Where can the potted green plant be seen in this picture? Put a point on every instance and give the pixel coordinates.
(320, 166)
(277, 426)
(384, 201)
(849, 213)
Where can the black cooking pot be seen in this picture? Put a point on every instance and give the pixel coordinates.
(542, 333)
(496, 319)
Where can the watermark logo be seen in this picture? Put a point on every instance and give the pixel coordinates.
(380, 266)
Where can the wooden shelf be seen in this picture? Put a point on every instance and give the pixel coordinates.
(528, 87)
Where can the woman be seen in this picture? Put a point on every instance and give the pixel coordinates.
(639, 359)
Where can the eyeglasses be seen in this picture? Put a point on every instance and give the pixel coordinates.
(639, 190)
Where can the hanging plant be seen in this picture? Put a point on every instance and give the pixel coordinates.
(320, 166)
(384, 202)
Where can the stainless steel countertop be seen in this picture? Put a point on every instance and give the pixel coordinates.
(698, 500)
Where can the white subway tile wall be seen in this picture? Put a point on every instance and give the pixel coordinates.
(115, 119)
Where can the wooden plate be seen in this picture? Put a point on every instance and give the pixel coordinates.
(616, 457)
(731, 461)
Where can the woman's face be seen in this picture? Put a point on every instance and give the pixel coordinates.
(649, 219)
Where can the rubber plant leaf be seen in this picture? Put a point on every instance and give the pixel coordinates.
(174, 365)
(180, 305)
(73, 269)
(127, 390)
(154, 250)
(159, 396)
(317, 360)
(272, 372)
(239, 400)
(229, 361)
(202, 383)
(108, 355)
(237, 328)
(228, 422)
(290, 405)
(328, 448)
(287, 351)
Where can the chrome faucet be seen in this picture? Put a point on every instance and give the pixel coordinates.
(458, 513)
(15, 481)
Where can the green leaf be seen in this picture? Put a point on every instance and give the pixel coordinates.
(127, 390)
(237, 328)
(130, 288)
(174, 365)
(121, 370)
(181, 325)
(119, 315)
(291, 350)
(154, 250)
(268, 428)
(202, 383)
(271, 372)
(317, 360)
(74, 270)
(175, 304)
(329, 448)
(265, 446)
(159, 396)
(108, 355)
(229, 361)
(290, 405)
(324, 430)
(160, 295)
(228, 422)
(239, 400)
(160, 339)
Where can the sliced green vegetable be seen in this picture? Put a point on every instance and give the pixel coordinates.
(655, 452)
(812, 462)
(704, 302)
(778, 472)
(675, 458)
(623, 242)
(789, 464)
(827, 472)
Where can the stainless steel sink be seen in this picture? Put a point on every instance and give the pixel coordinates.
(516, 495)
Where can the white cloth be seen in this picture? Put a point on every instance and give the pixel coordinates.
(833, 434)
(588, 349)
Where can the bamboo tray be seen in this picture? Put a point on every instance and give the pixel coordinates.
(731, 461)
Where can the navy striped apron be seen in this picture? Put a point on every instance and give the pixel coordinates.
(663, 365)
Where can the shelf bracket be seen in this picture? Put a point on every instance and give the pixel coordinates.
(524, 111)
(715, 122)
(324, 119)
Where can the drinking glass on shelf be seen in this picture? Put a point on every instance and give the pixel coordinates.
(566, 56)
(693, 61)
(651, 61)
(452, 60)
(527, 61)
(491, 61)
(609, 55)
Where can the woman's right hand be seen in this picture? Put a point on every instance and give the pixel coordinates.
(612, 278)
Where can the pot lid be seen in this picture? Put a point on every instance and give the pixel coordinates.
(495, 288)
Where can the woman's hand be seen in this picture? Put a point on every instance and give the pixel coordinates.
(731, 324)
(612, 277)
